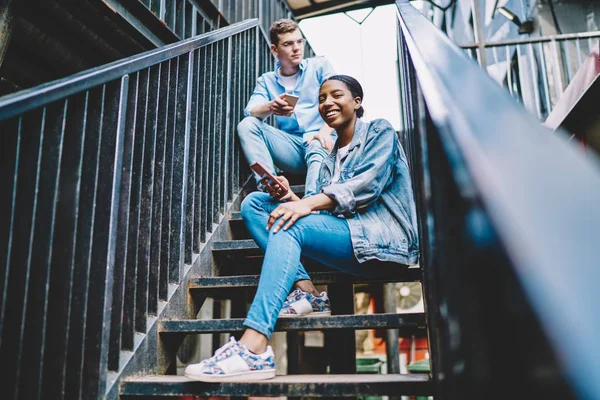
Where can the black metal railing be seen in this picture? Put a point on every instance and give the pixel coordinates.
(187, 18)
(113, 179)
(508, 224)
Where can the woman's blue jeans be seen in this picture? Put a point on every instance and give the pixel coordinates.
(322, 237)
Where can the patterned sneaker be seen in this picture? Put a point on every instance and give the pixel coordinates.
(234, 362)
(301, 304)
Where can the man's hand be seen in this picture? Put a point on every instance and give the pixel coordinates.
(324, 137)
(281, 107)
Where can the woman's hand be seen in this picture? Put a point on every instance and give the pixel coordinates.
(276, 189)
(288, 212)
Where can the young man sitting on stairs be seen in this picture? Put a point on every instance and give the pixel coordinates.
(302, 139)
(362, 221)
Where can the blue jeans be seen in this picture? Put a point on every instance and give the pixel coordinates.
(289, 152)
(322, 237)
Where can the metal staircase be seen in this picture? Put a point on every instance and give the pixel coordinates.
(238, 257)
(121, 190)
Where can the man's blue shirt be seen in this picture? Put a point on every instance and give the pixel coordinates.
(306, 118)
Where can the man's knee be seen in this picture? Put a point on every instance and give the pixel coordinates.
(315, 152)
(249, 126)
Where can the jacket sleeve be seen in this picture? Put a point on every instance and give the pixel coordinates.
(259, 97)
(371, 175)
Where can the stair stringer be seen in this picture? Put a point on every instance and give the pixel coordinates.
(151, 354)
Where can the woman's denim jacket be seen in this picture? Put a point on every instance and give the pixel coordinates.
(374, 194)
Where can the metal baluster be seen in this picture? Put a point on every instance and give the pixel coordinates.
(191, 244)
(567, 61)
(181, 150)
(509, 71)
(534, 80)
(148, 194)
(118, 327)
(159, 196)
(495, 54)
(203, 194)
(228, 128)
(545, 78)
(197, 194)
(84, 243)
(578, 48)
(95, 366)
(559, 86)
(40, 258)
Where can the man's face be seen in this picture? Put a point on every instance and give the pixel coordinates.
(290, 49)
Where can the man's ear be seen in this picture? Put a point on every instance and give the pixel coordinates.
(274, 49)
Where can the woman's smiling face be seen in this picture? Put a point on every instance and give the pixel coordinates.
(336, 104)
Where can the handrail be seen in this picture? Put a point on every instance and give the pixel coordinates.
(25, 100)
(537, 194)
(539, 39)
(113, 182)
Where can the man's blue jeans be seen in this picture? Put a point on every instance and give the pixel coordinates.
(289, 152)
(322, 237)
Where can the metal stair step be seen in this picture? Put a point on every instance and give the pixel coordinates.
(406, 323)
(245, 247)
(285, 385)
(319, 278)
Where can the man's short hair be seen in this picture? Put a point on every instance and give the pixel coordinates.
(279, 27)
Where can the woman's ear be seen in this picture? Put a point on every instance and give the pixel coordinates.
(357, 103)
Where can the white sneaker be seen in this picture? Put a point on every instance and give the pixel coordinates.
(303, 304)
(234, 362)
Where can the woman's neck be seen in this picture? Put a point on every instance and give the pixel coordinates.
(346, 133)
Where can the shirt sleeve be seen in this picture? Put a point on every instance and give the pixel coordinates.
(259, 97)
(327, 70)
(371, 176)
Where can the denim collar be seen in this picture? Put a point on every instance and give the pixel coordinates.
(360, 128)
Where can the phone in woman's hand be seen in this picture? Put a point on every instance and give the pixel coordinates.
(264, 173)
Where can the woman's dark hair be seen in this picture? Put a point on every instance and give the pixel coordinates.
(353, 86)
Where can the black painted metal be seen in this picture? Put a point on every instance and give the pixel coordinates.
(104, 172)
(407, 323)
(300, 385)
(492, 187)
(319, 278)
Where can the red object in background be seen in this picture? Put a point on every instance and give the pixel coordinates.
(416, 349)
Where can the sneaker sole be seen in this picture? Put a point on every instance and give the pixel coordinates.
(312, 314)
(246, 376)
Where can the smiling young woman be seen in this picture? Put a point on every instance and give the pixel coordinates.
(361, 221)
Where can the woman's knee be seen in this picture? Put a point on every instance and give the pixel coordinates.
(249, 125)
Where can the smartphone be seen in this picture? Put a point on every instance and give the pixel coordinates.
(291, 99)
(262, 172)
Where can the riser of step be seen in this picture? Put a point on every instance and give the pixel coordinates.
(288, 385)
(406, 324)
(319, 278)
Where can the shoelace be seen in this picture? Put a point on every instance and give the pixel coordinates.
(292, 295)
(222, 349)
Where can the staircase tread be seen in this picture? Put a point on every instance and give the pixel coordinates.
(283, 385)
(235, 244)
(325, 378)
(411, 274)
(413, 322)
